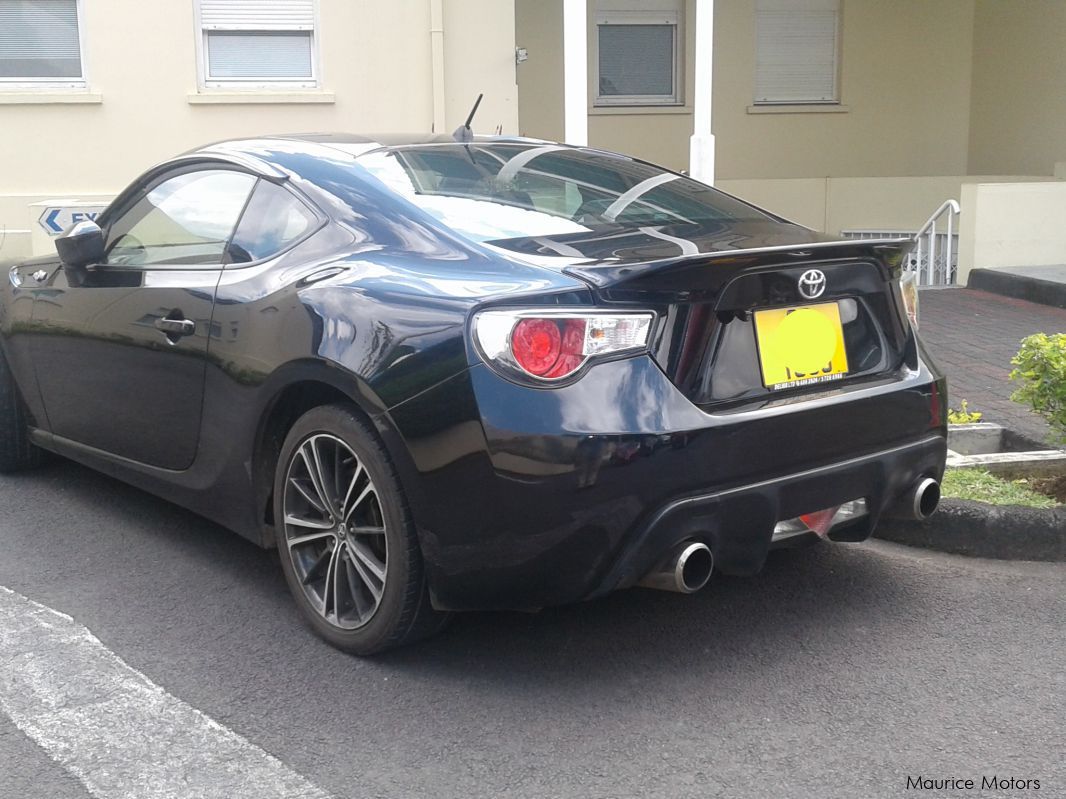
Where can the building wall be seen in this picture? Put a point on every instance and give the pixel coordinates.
(867, 204)
(539, 29)
(1018, 99)
(479, 57)
(905, 92)
(143, 104)
(1011, 224)
(905, 82)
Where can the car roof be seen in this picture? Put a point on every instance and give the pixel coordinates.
(259, 148)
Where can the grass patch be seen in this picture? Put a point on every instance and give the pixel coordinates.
(985, 487)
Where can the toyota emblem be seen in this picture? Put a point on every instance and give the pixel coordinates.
(812, 284)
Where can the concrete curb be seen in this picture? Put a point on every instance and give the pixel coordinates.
(966, 527)
(1002, 452)
(1021, 287)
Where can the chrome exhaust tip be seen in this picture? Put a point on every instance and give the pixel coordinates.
(919, 502)
(926, 497)
(685, 570)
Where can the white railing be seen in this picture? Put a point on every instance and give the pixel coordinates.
(935, 256)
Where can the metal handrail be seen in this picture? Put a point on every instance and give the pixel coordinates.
(931, 221)
(929, 231)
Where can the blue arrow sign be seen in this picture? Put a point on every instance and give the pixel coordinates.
(50, 221)
(56, 219)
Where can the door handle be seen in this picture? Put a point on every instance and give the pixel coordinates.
(175, 328)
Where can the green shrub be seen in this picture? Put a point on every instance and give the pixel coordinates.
(963, 415)
(1041, 370)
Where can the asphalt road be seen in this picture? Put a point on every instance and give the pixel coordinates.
(838, 672)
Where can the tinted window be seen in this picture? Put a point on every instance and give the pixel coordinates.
(184, 220)
(495, 191)
(273, 220)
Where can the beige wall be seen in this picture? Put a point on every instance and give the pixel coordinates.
(659, 138)
(479, 57)
(802, 200)
(141, 63)
(656, 134)
(866, 204)
(905, 80)
(905, 85)
(1011, 224)
(539, 29)
(930, 87)
(1019, 87)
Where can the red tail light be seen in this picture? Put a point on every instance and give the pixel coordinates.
(549, 347)
(552, 344)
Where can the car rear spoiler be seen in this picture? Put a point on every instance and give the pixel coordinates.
(603, 274)
(904, 243)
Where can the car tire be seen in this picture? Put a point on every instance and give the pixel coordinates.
(345, 536)
(16, 451)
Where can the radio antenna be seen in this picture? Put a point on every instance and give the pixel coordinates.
(464, 132)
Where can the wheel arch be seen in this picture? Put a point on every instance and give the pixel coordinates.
(290, 393)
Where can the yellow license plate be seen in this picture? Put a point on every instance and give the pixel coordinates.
(801, 346)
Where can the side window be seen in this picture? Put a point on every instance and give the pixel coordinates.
(184, 220)
(273, 220)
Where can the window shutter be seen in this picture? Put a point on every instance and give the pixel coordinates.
(796, 52)
(636, 60)
(39, 39)
(247, 56)
(257, 15)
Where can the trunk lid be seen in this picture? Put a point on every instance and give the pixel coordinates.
(709, 284)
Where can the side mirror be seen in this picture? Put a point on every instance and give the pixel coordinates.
(81, 244)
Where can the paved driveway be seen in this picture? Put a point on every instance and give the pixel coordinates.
(973, 335)
(838, 672)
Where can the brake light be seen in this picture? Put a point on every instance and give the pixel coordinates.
(542, 349)
(551, 345)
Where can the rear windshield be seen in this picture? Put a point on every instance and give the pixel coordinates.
(499, 191)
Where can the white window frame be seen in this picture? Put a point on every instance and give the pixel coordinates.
(640, 18)
(236, 84)
(799, 6)
(57, 83)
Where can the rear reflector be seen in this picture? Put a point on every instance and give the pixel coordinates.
(820, 522)
(935, 407)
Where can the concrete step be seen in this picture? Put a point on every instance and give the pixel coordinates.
(1043, 284)
(994, 448)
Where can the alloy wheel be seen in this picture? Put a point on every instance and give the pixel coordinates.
(335, 531)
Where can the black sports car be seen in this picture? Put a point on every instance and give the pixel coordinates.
(445, 375)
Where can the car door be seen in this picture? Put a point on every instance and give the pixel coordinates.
(120, 347)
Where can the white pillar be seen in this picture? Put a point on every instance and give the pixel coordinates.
(575, 73)
(701, 145)
(436, 48)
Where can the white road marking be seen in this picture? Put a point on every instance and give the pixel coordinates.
(118, 732)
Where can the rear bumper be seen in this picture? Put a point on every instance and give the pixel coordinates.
(738, 523)
(526, 498)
